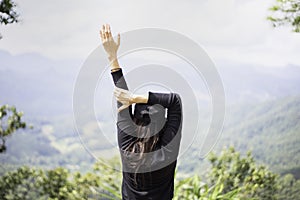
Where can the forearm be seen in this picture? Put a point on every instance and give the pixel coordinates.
(140, 98)
(167, 100)
(119, 79)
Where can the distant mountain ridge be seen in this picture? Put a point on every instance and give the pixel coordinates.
(31, 81)
(263, 106)
(271, 130)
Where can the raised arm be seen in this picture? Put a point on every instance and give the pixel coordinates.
(172, 102)
(124, 96)
(111, 48)
(125, 99)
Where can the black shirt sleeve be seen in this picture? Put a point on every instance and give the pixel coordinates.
(120, 82)
(172, 102)
(125, 124)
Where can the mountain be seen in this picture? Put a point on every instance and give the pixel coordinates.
(262, 114)
(35, 84)
(271, 130)
(251, 84)
(31, 81)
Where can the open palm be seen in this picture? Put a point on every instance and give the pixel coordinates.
(110, 46)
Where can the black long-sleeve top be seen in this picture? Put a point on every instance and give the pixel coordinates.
(156, 184)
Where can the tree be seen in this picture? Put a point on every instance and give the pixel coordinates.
(8, 14)
(237, 172)
(10, 121)
(286, 12)
(21, 184)
(289, 188)
(28, 183)
(231, 177)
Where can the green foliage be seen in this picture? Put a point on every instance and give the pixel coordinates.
(230, 177)
(8, 14)
(289, 188)
(193, 188)
(109, 178)
(233, 176)
(286, 12)
(237, 172)
(270, 130)
(21, 184)
(10, 121)
(59, 184)
(294, 171)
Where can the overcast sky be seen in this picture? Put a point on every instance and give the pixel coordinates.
(231, 30)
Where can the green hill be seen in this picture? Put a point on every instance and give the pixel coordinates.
(271, 130)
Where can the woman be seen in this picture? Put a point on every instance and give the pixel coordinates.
(148, 142)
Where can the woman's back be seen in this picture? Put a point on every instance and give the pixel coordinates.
(153, 185)
(149, 175)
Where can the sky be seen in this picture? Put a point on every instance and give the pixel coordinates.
(229, 30)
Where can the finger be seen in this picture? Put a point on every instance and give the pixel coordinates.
(118, 90)
(103, 32)
(119, 39)
(119, 100)
(121, 92)
(106, 35)
(121, 89)
(109, 32)
(122, 108)
(106, 31)
(101, 35)
(117, 93)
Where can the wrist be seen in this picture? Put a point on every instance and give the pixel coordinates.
(139, 98)
(112, 57)
(114, 64)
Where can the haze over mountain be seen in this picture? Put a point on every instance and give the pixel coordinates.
(261, 101)
(31, 81)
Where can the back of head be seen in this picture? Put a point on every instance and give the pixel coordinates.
(152, 116)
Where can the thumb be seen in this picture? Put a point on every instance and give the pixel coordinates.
(122, 108)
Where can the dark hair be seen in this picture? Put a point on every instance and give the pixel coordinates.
(147, 134)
